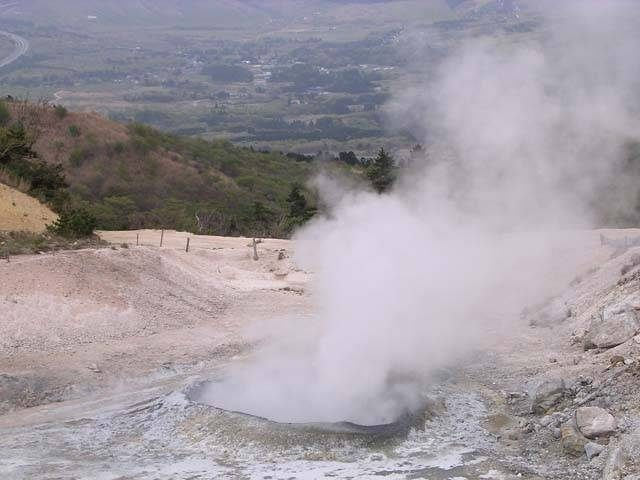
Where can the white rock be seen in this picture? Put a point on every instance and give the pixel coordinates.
(594, 422)
(613, 327)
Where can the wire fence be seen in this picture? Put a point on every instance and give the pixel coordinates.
(170, 239)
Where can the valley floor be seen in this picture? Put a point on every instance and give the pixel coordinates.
(97, 348)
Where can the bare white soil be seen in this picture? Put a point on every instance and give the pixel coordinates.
(96, 346)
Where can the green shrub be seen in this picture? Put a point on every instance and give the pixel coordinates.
(119, 148)
(5, 114)
(60, 111)
(76, 157)
(76, 223)
(74, 131)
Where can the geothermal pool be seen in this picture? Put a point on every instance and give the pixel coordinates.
(159, 432)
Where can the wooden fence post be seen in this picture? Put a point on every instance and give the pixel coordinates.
(255, 250)
(188, 240)
(137, 239)
(161, 237)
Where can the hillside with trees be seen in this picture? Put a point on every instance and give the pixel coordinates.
(132, 176)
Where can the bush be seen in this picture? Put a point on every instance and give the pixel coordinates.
(74, 131)
(75, 223)
(61, 112)
(46, 180)
(76, 157)
(5, 114)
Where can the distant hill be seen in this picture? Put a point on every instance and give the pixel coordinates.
(131, 176)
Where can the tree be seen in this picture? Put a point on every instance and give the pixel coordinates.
(297, 203)
(262, 217)
(74, 223)
(299, 209)
(15, 144)
(381, 172)
(60, 111)
(348, 157)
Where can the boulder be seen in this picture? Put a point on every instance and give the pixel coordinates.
(572, 441)
(594, 422)
(613, 327)
(547, 394)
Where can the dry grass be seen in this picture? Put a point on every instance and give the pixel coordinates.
(20, 212)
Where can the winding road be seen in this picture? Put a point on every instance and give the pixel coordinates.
(22, 46)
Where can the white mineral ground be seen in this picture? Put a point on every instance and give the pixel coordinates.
(94, 342)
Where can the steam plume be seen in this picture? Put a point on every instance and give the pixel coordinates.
(522, 134)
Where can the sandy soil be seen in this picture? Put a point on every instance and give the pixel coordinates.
(20, 212)
(97, 346)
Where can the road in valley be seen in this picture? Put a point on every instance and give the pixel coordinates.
(22, 46)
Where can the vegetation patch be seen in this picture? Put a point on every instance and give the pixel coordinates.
(25, 243)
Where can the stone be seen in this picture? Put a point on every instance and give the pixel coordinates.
(595, 422)
(593, 449)
(94, 368)
(614, 326)
(547, 394)
(505, 426)
(572, 441)
(546, 420)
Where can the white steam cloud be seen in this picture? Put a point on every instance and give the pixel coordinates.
(521, 132)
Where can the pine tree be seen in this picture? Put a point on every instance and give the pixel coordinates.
(297, 203)
(381, 172)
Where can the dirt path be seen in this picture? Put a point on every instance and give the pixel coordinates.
(21, 47)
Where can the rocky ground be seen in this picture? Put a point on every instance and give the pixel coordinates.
(99, 346)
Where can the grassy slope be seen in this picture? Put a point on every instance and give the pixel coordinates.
(132, 176)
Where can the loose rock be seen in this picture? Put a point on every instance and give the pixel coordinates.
(613, 327)
(594, 422)
(593, 449)
(572, 441)
(547, 395)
